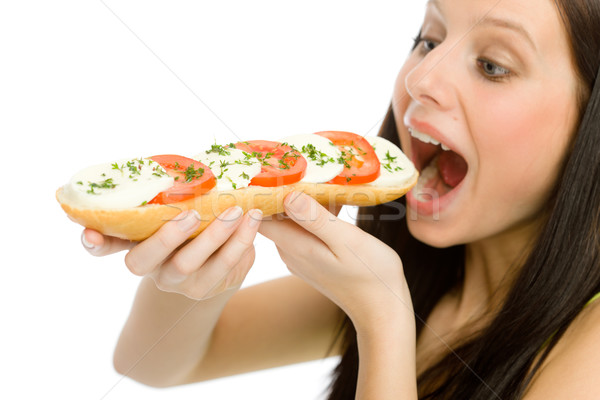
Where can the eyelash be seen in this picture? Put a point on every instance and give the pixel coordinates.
(506, 73)
(482, 63)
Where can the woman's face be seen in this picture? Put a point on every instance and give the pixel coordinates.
(494, 83)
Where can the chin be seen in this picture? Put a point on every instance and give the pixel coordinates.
(437, 231)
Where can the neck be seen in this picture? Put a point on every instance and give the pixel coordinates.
(490, 266)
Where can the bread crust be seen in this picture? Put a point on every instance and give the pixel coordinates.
(141, 222)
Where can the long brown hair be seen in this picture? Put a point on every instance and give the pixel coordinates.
(558, 277)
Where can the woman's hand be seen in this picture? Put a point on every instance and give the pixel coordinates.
(364, 277)
(217, 260)
(361, 274)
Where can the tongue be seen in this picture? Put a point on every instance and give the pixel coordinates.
(453, 168)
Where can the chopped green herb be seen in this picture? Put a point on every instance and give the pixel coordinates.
(389, 160)
(345, 159)
(159, 172)
(316, 155)
(233, 184)
(220, 150)
(262, 158)
(222, 165)
(134, 169)
(191, 173)
(105, 184)
(266, 157)
(243, 162)
(283, 164)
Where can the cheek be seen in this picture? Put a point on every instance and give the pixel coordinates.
(521, 143)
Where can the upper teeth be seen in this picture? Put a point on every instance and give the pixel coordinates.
(423, 137)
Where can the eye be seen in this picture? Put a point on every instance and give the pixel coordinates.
(423, 44)
(492, 71)
(428, 45)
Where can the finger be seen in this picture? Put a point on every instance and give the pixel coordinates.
(232, 279)
(228, 267)
(198, 287)
(150, 253)
(221, 243)
(99, 245)
(242, 240)
(315, 218)
(288, 235)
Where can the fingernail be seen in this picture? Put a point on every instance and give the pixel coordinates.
(297, 202)
(255, 217)
(187, 220)
(85, 243)
(231, 215)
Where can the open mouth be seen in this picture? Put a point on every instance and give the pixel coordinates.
(441, 169)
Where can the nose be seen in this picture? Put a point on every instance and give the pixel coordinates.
(432, 81)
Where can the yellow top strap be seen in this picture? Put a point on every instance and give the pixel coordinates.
(590, 301)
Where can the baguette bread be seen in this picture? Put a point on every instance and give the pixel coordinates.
(138, 223)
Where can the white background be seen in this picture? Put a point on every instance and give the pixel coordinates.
(83, 82)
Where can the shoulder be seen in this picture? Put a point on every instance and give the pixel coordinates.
(572, 369)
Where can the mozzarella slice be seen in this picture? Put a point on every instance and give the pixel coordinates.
(233, 168)
(396, 168)
(321, 156)
(123, 184)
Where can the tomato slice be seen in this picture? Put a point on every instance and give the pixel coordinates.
(361, 164)
(192, 178)
(281, 165)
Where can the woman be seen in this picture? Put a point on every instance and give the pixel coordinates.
(484, 291)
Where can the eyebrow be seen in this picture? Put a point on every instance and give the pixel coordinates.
(506, 24)
(496, 22)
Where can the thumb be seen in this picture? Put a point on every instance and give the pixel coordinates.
(99, 245)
